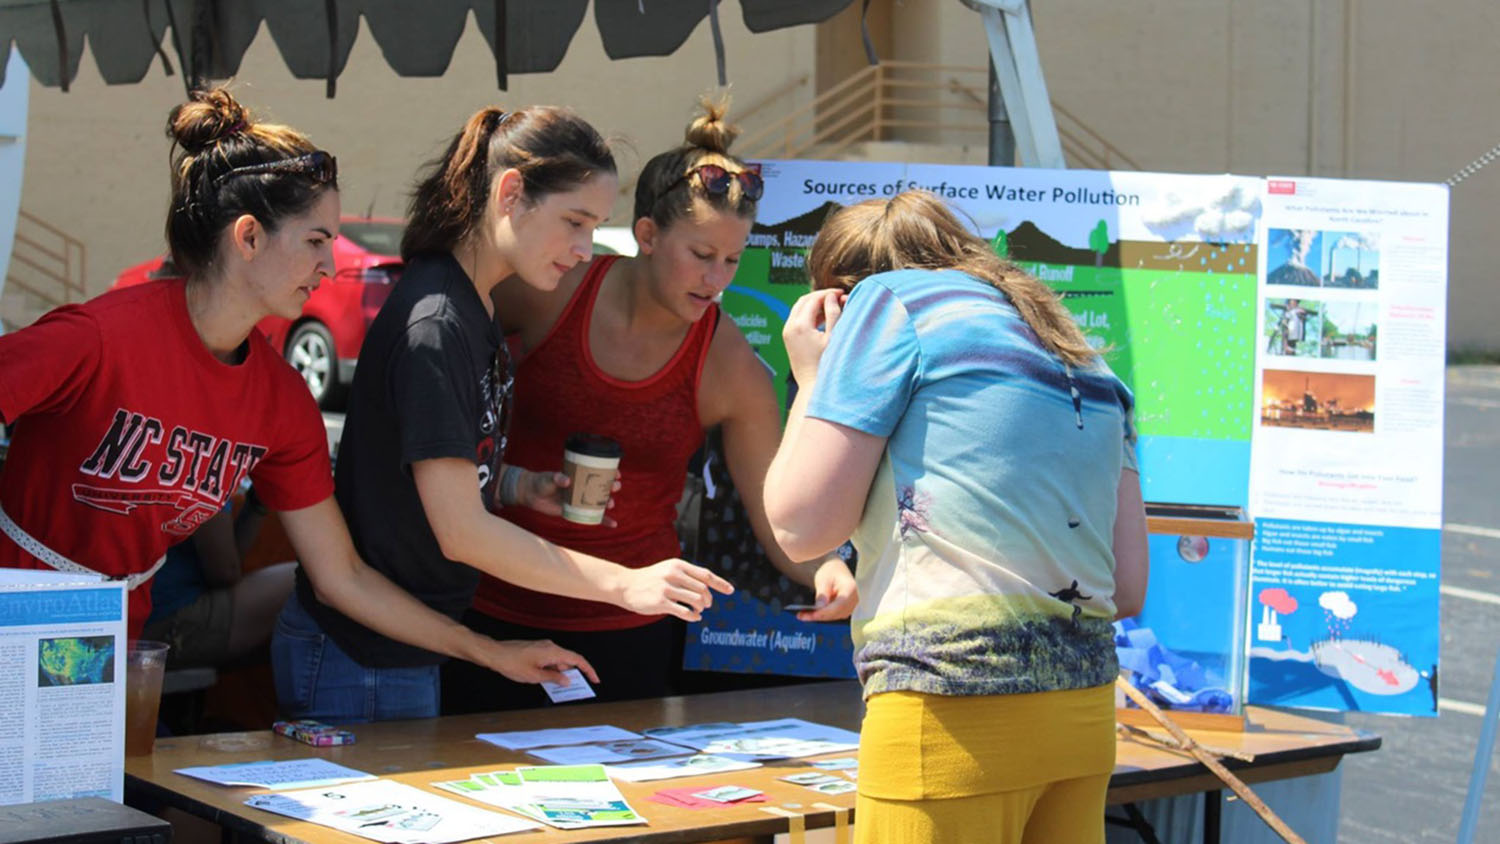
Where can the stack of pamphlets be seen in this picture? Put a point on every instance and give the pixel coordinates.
(564, 796)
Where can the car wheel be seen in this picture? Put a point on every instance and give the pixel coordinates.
(310, 351)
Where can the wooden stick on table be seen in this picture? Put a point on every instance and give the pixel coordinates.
(1132, 731)
(1235, 784)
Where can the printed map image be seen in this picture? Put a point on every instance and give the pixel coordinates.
(75, 661)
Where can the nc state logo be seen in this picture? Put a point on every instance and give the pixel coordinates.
(194, 511)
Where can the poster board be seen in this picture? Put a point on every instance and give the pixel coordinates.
(62, 685)
(1346, 480)
(1168, 274)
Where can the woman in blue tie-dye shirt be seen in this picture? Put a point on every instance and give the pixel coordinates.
(954, 421)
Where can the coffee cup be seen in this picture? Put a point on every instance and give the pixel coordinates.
(591, 463)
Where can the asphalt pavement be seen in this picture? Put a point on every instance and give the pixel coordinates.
(1413, 788)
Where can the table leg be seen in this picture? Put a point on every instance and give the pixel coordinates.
(1135, 821)
(1212, 805)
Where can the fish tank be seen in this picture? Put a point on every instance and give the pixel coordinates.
(1186, 649)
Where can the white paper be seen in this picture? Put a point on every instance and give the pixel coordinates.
(610, 753)
(1352, 433)
(691, 766)
(62, 686)
(781, 738)
(387, 811)
(527, 739)
(578, 688)
(840, 764)
(47, 577)
(291, 773)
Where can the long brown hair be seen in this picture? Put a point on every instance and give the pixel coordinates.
(554, 149)
(916, 230)
(662, 193)
(212, 134)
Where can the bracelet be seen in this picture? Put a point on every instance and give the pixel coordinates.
(510, 486)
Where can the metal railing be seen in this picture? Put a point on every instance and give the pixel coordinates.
(47, 269)
(910, 101)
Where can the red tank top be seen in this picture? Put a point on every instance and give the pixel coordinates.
(560, 390)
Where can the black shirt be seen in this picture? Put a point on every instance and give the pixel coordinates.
(433, 381)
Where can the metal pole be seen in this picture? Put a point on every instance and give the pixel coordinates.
(1002, 137)
(1482, 755)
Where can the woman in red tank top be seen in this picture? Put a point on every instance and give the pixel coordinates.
(630, 348)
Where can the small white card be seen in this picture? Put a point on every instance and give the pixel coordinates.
(577, 689)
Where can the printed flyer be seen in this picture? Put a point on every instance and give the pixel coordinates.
(1346, 471)
(62, 685)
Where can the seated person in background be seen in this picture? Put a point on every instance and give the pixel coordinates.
(203, 605)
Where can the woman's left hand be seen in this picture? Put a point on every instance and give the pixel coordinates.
(806, 331)
(544, 493)
(836, 593)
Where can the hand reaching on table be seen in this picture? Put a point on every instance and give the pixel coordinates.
(539, 661)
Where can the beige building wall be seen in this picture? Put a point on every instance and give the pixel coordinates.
(1360, 89)
(1368, 89)
(97, 156)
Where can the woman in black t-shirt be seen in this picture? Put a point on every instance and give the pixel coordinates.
(515, 197)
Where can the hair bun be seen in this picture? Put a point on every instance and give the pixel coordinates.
(710, 130)
(207, 117)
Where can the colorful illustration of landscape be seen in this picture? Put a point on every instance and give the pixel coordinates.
(1159, 269)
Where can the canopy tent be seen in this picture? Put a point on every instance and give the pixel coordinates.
(417, 37)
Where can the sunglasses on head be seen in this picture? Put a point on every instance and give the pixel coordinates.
(318, 165)
(716, 180)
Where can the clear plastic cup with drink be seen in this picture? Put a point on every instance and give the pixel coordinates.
(145, 663)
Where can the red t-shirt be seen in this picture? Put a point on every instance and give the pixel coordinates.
(127, 433)
(560, 390)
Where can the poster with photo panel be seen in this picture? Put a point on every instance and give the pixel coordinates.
(1346, 468)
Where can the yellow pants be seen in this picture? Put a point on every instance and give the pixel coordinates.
(1007, 769)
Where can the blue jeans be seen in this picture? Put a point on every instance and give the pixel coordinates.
(316, 679)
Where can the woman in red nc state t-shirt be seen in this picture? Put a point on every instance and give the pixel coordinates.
(135, 415)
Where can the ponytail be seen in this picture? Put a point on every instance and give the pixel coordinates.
(553, 149)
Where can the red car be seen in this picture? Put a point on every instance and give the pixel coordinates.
(323, 344)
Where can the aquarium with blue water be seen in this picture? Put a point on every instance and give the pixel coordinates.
(1186, 649)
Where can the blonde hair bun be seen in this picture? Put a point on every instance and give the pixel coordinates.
(710, 130)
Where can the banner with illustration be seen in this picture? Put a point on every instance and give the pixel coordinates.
(1158, 268)
(1346, 475)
